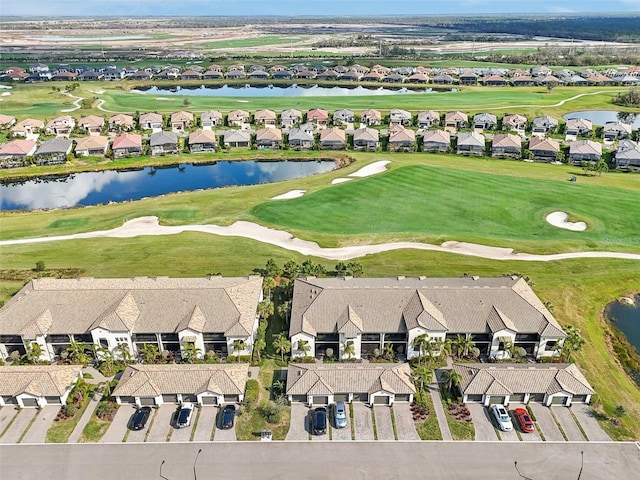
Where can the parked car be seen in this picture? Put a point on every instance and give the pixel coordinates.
(228, 415)
(502, 417)
(319, 421)
(339, 415)
(139, 419)
(184, 415)
(524, 420)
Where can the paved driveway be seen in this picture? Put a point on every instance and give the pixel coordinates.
(298, 429)
(384, 427)
(526, 437)
(162, 423)
(19, 425)
(590, 425)
(138, 436)
(341, 434)
(206, 424)
(118, 426)
(482, 422)
(568, 424)
(6, 415)
(228, 435)
(184, 434)
(405, 427)
(363, 422)
(546, 423)
(38, 431)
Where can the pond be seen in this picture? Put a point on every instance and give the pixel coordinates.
(600, 117)
(274, 91)
(626, 318)
(94, 188)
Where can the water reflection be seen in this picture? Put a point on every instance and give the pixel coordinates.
(600, 117)
(93, 188)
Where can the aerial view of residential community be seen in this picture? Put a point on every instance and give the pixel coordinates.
(365, 240)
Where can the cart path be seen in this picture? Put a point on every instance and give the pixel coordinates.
(151, 226)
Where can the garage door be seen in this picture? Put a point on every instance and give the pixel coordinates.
(231, 399)
(147, 401)
(299, 398)
(474, 398)
(320, 400)
(30, 402)
(170, 398)
(579, 398)
(537, 397)
(517, 397)
(404, 397)
(496, 400)
(341, 397)
(189, 398)
(381, 400)
(209, 400)
(360, 397)
(127, 400)
(10, 400)
(559, 400)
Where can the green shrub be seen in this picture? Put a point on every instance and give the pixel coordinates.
(270, 411)
(251, 392)
(69, 410)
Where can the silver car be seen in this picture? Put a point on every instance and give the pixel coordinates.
(339, 415)
(502, 417)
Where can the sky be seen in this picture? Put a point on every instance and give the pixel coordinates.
(56, 8)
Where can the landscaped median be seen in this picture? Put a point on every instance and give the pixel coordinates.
(70, 413)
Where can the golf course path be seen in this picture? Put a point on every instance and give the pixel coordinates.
(151, 226)
(559, 104)
(75, 102)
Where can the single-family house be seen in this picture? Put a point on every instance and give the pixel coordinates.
(543, 125)
(372, 77)
(238, 118)
(468, 77)
(6, 121)
(514, 122)
(418, 78)
(202, 141)
(428, 118)
(53, 151)
(393, 78)
(163, 143)
(181, 121)
(264, 117)
(329, 75)
(584, 151)
(93, 145)
(306, 74)
(578, 126)
(443, 79)
(60, 126)
(141, 76)
(151, 121)
(484, 121)
(544, 149)
(269, 138)
(399, 117)
(318, 116)
(628, 155)
(470, 143)
(549, 81)
(237, 138)
(365, 138)
(15, 152)
(36, 386)
(613, 131)
(282, 75)
(122, 123)
(370, 313)
(506, 145)
(290, 117)
(92, 124)
(523, 81)
(300, 138)
(455, 120)
(235, 74)
(371, 117)
(435, 141)
(332, 138)
(204, 384)
(207, 313)
(370, 383)
(212, 74)
(127, 145)
(494, 81)
(401, 139)
(190, 75)
(551, 384)
(343, 116)
(28, 126)
(210, 119)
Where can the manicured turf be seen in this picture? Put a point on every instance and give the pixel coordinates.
(456, 205)
(248, 42)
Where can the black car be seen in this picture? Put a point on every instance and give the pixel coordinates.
(319, 421)
(139, 419)
(228, 415)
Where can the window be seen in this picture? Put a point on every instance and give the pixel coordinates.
(550, 345)
(104, 343)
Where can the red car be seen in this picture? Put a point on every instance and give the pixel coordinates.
(524, 420)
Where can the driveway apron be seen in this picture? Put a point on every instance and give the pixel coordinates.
(162, 423)
(38, 431)
(405, 427)
(341, 434)
(118, 426)
(526, 437)
(184, 434)
(298, 428)
(568, 424)
(19, 425)
(384, 427)
(546, 423)
(483, 423)
(6, 415)
(590, 425)
(363, 422)
(206, 424)
(228, 435)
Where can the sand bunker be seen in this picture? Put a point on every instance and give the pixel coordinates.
(290, 194)
(5, 94)
(561, 220)
(335, 181)
(371, 169)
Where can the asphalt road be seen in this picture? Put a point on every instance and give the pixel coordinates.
(357, 461)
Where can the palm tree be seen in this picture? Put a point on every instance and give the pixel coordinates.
(348, 349)
(573, 343)
(149, 352)
(462, 344)
(77, 352)
(422, 343)
(451, 379)
(389, 354)
(281, 345)
(34, 352)
(190, 352)
(304, 347)
(123, 350)
(238, 346)
(422, 376)
(265, 309)
(258, 346)
(445, 346)
(268, 284)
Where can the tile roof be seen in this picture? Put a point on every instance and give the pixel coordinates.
(389, 305)
(333, 134)
(326, 379)
(18, 147)
(37, 380)
(155, 380)
(544, 144)
(91, 142)
(139, 305)
(583, 147)
(471, 138)
(202, 136)
(437, 136)
(366, 134)
(506, 140)
(127, 140)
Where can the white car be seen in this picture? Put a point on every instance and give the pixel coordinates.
(502, 417)
(184, 415)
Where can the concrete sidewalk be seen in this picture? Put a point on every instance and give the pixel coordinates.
(86, 416)
(439, 409)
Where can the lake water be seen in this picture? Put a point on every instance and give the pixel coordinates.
(600, 117)
(274, 91)
(94, 188)
(626, 318)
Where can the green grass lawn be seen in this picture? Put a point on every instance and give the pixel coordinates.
(429, 428)
(59, 432)
(248, 42)
(460, 429)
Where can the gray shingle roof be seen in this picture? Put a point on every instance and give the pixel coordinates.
(55, 145)
(139, 305)
(458, 305)
(163, 138)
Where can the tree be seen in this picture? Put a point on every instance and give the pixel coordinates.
(573, 343)
(422, 376)
(40, 266)
(238, 346)
(78, 352)
(33, 354)
(451, 379)
(348, 349)
(444, 346)
(265, 309)
(462, 344)
(284, 309)
(423, 344)
(341, 269)
(355, 268)
(272, 269)
(190, 353)
(601, 167)
(258, 346)
(304, 347)
(291, 269)
(268, 284)
(149, 353)
(123, 350)
(389, 354)
(281, 345)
